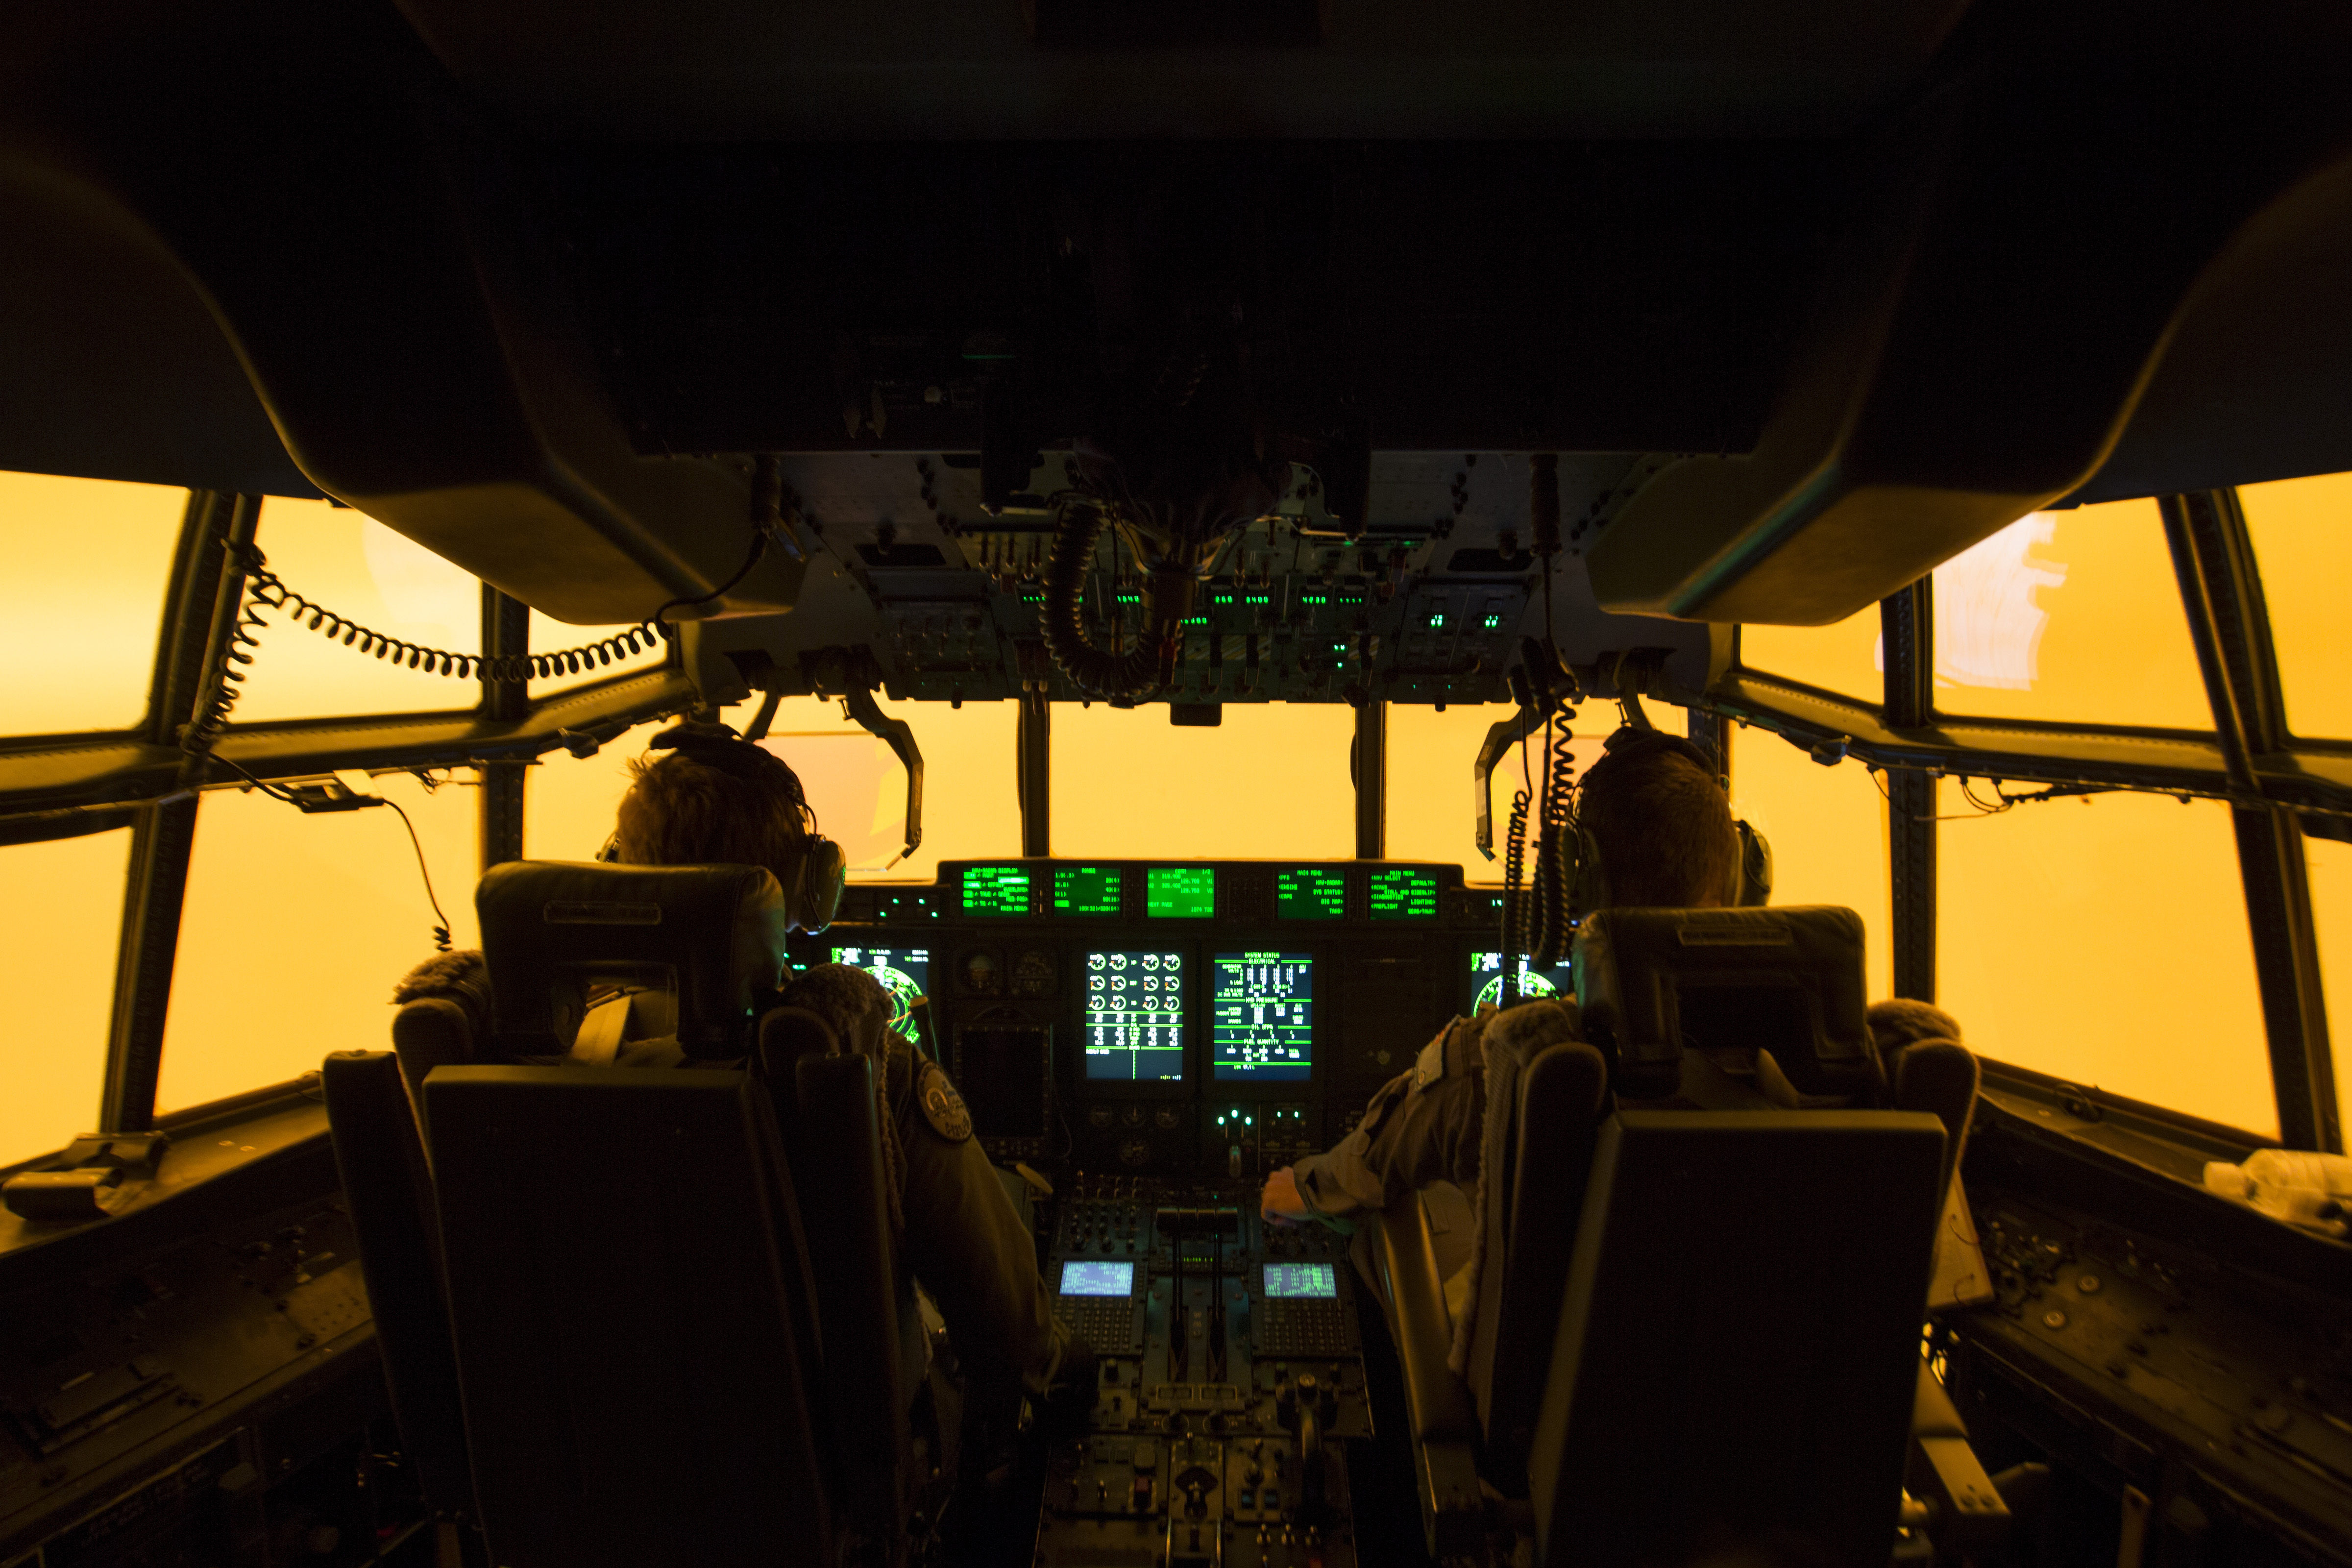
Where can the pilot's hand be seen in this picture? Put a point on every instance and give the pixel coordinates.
(1282, 1201)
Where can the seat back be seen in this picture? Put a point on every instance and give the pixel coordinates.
(631, 1303)
(710, 936)
(1726, 983)
(1542, 1116)
(389, 1193)
(1739, 1339)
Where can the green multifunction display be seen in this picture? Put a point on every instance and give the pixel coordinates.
(996, 889)
(1262, 1025)
(1086, 891)
(1307, 893)
(1180, 892)
(1400, 893)
(1135, 1017)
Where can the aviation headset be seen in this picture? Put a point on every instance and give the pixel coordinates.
(813, 883)
(1589, 878)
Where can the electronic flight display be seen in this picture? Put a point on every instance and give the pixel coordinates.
(1261, 1027)
(1295, 1281)
(905, 972)
(1135, 1017)
(1180, 892)
(1311, 893)
(1486, 981)
(990, 890)
(1090, 1277)
(1086, 891)
(1402, 893)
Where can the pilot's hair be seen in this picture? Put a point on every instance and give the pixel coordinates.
(683, 812)
(1663, 827)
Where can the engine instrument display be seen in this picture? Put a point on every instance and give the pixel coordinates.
(1263, 1024)
(1086, 891)
(1486, 981)
(1311, 893)
(1293, 1281)
(1180, 892)
(996, 889)
(1402, 893)
(1135, 1017)
(905, 972)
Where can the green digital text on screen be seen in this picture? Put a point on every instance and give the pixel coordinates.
(1086, 891)
(1398, 894)
(1307, 893)
(1180, 892)
(996, 889)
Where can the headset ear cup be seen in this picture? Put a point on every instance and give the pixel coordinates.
(817, 884)
(1755, 869)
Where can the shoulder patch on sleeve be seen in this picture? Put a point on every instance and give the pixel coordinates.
(943, 1108)
(1430, 1065)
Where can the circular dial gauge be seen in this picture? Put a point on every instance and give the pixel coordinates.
(903, 992)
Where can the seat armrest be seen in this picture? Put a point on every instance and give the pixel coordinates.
(1968, 1513)
(1444, 1425)
(1438, 1404)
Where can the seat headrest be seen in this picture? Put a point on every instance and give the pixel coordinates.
(714, 936)
(1655, 982)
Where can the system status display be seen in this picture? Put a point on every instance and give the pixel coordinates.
(1307, 893)
(1085, 890)
(1399, 893)
(1262, 1025)
(1486, 981)
(1091, 1278)
(996, 889)
(1180, 892)
(1135, 1017)
(904, 972)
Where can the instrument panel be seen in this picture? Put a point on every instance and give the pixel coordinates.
(1213, 1018)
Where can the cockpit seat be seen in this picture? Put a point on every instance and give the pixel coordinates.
(618, 1260)
(1758, 1013)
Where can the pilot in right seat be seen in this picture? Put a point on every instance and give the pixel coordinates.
(1662, 826)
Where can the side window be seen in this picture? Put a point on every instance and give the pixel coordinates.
(1844, 657)
(358, 569)
(2027, 624)
(2104, 941)
(1270, 780)
(1827, 827)
(296, 928)
(2300, 529)
(2330, 866)
(1432, 812)
(66, 936)
(82, 579)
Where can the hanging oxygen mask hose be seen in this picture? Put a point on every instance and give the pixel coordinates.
(1538, 924)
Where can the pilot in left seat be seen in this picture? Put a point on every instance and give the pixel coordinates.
(719, 800)
(716, 799)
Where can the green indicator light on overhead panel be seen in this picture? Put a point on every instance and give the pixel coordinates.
(1436, 621)
(1494, 621)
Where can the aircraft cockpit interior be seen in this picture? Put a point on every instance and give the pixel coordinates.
(1106, 783)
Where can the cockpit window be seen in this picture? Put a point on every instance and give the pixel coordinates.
(358, 569)
(2069, 616)
(60, 933)
(1270, 780)
(1844, 656)
(2105, 940)
(81, 597)
(2302, 543)
(1827, 827)
(295, 927)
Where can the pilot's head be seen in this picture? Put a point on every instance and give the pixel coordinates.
(1661, 825)
(723, 803)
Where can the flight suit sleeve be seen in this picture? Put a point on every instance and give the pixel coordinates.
(1423, 1126)
(967, 1243)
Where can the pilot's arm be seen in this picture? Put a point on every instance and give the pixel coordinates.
(964, 1239)
(1422, 1126)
